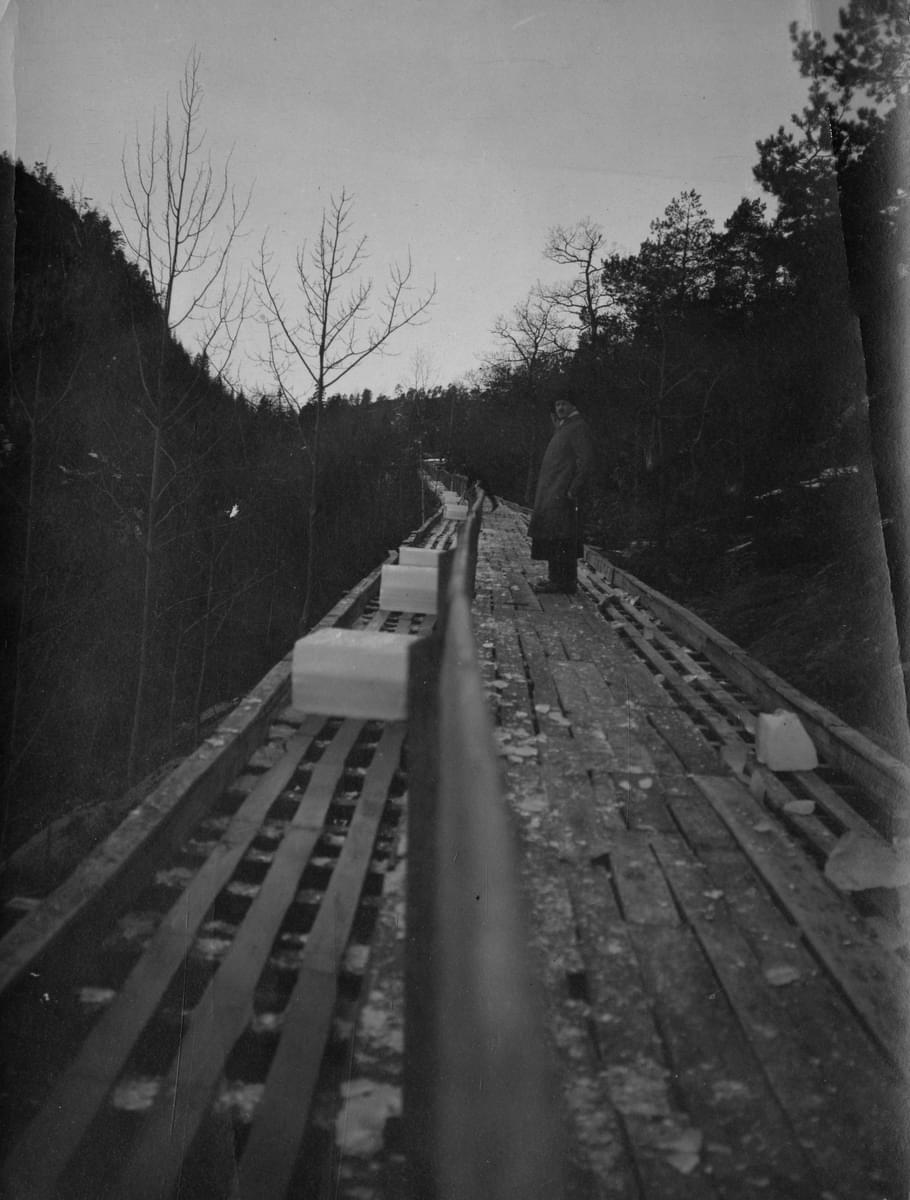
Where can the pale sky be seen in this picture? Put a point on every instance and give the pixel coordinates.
(463, 130)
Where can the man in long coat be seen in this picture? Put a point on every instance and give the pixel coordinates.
(556, 522)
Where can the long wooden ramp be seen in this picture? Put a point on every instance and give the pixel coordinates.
(174, 1013)
(729, 1023)
(214, 1005)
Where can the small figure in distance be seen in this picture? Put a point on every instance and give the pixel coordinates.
(556, 527)
(477, 483)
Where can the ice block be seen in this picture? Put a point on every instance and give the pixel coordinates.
(352, 673)
(408, 589)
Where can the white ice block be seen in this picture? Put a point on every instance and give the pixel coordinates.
(782, 743)
(418, 556)
(408, 588)
(456, 512)
(450, 497)
(352, 673)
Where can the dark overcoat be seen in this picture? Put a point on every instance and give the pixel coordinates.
(562, 483)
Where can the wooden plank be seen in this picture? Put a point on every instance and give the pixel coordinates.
(748, 1142)
(126, 860)
(571, 818)
(329, 935)
(609, 805)
(779, 799)
(811, 830)
(624, 674)
(588, 651)
(597, 749)
(572, 693)
(598, 1148)
(597, 586)
(683, 737)
(603, 737)
(546, 632)
(636, 1075)
(155, 1162)
(271, 1151)
(543, 690)
(870, 977)
(643, 893)
(698, 822)
(844, 1102)
(41, 1155)
(725, 732)
(519, 590)
(269, 1157)
(826, 1122)
(857, 756)
(622, 729)
(595, 686)
(679, 654)
(578, 811)
(838, 811)
(657, 754)
(375, 1049)
(644, 802)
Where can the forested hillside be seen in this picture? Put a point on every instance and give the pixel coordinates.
(226, 528)
(745, 379)
(747, 385)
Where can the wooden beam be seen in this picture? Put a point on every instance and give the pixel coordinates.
(886, 777)
(154, 1165)
(40, 1157)
(121, 866)
(873, 980)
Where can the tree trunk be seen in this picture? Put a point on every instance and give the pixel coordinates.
(889, 427)
(306, 614)
(876, 229)
(148, 602)
(26, 587)
(175, 675)
(204, 659)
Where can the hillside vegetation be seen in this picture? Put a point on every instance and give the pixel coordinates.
(165, 533)
(230, 529)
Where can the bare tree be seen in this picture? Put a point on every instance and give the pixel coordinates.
(534, 334)
(580, 246)
(342, 321)
(535, 330)
(423, 370)
(180, 219)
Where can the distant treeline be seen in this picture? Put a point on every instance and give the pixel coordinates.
(722, 366)
(229, 519)
(746, 385)
(748, 376)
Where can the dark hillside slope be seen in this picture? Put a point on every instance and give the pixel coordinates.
(811, 600)
(80, 520)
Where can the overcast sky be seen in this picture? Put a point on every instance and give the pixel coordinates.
(463, 129)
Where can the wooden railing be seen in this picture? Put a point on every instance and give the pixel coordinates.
(479, 1113)
(883, 777)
